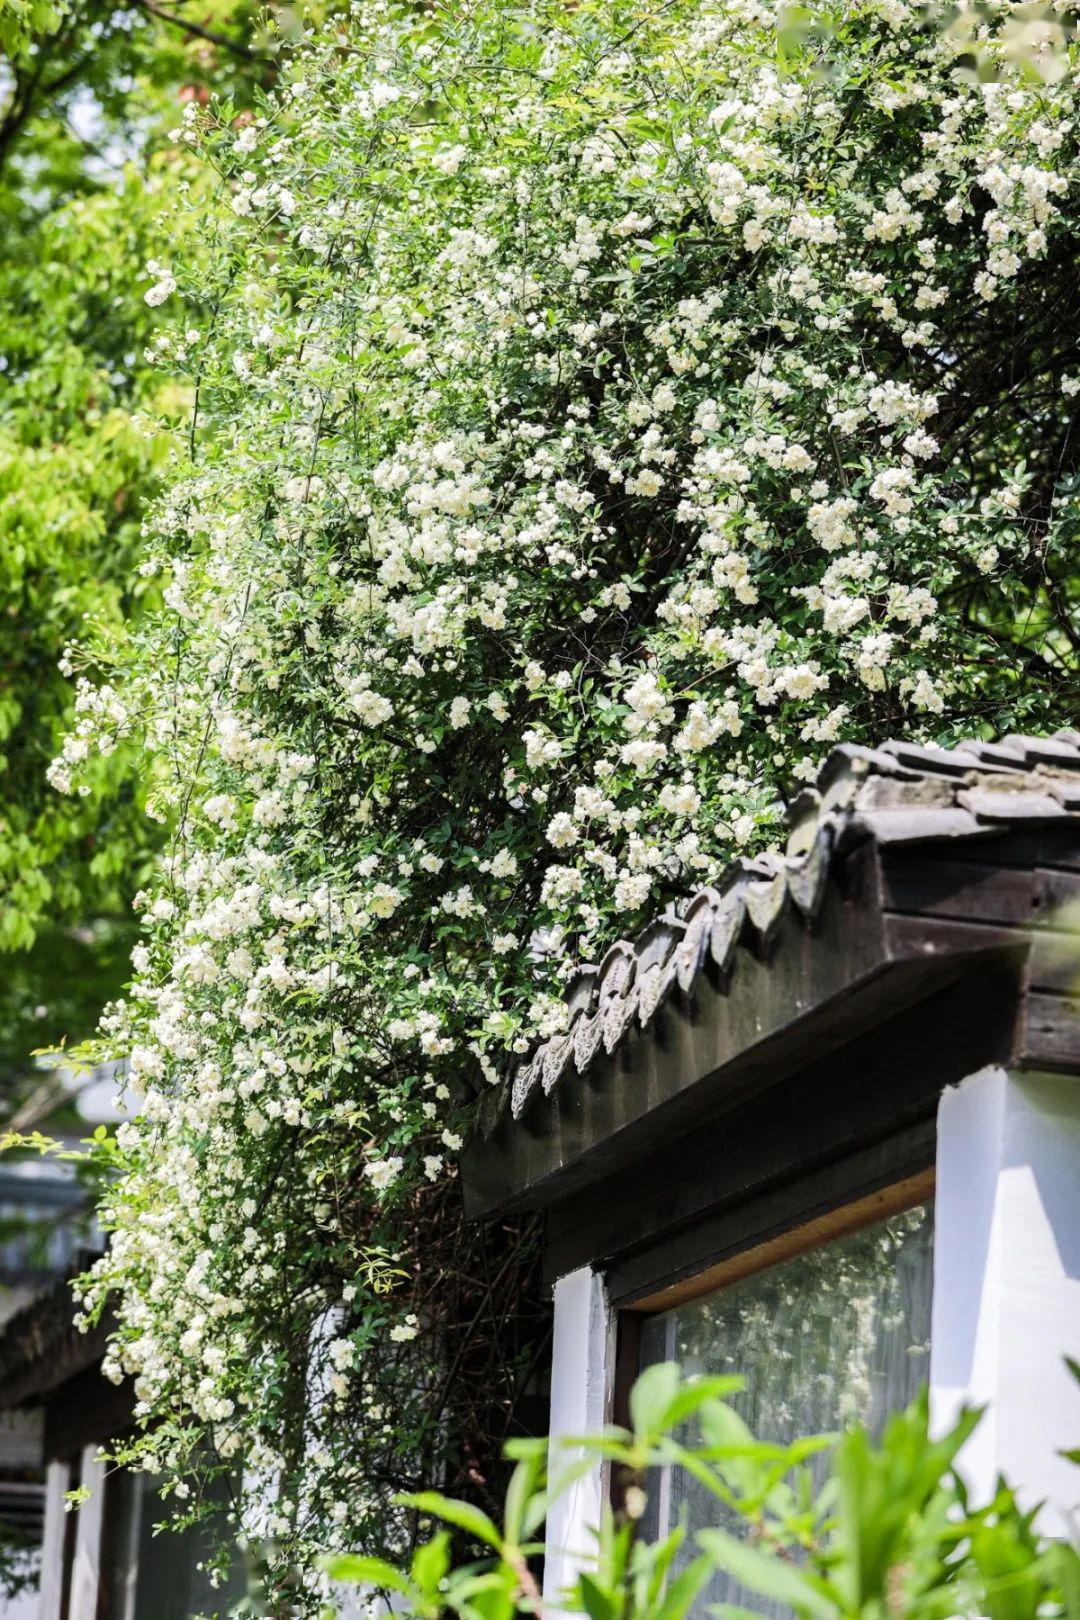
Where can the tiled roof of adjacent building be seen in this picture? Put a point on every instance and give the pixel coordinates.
(900, 793)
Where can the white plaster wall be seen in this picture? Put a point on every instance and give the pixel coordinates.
(581, 1366)
(1007, 1281)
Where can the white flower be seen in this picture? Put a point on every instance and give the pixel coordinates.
(742, 828)
(797, 459)
(385, 900)
(561, 832)
(680, 799)
(647, 482)
(459, 713)
(221, 809)
(447, 159)
(162, 289)
(891, 487)
(642, 754)
(925, 694)
(632, 891)
(382, 1173)
(541, 748)
(371, 707)
(461, 903)
(647, 702)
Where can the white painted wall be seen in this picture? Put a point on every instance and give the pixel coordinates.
(582, 1361)
(1007, 1281)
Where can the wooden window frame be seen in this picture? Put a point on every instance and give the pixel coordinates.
(754, 1254)
(998, 1237)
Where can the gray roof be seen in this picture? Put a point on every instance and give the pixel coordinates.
(900, 793)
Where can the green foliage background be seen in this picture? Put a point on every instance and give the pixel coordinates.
(89, 96)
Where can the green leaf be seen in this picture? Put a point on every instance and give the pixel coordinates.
(537, 1508)
(489, 1596)
(696, 1393)
(359, 1570)
(766, 1573)
(652, 1395)
(431, 1562)
(1006, 1560)
(460, 1514)
(597, 1603)
(684, 1589)
(519, 1492)
(1064, 1563)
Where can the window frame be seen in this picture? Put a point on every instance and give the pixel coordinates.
(824, 1220)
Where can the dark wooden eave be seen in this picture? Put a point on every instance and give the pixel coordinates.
(41, 1348)
(46, 1362)
(938, 875)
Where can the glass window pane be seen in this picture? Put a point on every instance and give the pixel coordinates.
(839, 1333)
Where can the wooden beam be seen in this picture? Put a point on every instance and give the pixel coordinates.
(1053, 954)
(770, 1214)
(949, 886)
(811, 1234)
(654, 1085)
(1050, 1033)
(897, 924)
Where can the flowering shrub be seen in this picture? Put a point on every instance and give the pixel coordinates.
(598, 412)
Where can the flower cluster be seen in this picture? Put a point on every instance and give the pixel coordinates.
(598, 414)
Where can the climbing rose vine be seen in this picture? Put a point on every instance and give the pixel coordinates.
(597, 412)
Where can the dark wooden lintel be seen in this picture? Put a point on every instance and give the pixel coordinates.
(809, 1212)
(650, 1087)
(1053, 955)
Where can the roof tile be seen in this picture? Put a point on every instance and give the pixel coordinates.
(898, 793)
